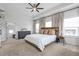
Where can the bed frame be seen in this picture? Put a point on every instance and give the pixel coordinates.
(49, 29)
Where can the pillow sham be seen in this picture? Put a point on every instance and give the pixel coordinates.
(51, 32)
(45, 31)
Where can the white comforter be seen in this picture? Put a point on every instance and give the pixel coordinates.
(40, 40)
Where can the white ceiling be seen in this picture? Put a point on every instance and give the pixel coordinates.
(20, 8)
(16, 9)
(46, 6)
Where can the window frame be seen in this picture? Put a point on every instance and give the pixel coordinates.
(76, 35)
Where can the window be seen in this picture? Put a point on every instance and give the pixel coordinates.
(37, 27)
(71, 26)
(71, 23)
(11, 31)
(48, 21)
(48, 24)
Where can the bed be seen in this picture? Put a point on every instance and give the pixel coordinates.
(47, 36)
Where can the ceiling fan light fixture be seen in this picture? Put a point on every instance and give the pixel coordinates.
(34, 9)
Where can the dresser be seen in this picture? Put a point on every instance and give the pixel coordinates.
(22, 34)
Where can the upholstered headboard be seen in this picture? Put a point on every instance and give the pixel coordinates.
(50, 30)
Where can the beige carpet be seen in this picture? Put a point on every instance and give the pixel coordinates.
(14, 47)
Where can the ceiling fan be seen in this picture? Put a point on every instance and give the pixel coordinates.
(34, 7)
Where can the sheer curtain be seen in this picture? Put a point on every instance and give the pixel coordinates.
(34, 22)
(42, 23)
(57, 21)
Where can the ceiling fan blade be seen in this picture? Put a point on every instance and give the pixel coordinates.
(30, 4)
(37, 10)
(40, 8)
(28, 8)
(37, 5)
(32, 11)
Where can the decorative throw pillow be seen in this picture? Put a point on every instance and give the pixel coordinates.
(52, 32)
(46, 31)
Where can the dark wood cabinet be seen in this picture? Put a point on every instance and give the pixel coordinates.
(22, 34)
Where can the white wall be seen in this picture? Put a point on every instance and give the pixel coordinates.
(2, 25)
(20, 22)
(71, 13)
(3, 29)
(16, 13)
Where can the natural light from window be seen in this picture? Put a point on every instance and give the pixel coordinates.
(11, 31)
(48, 24)
(37, 27)
(71, 26)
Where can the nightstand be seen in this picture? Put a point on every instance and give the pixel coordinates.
(62, 39)
(57, 39)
